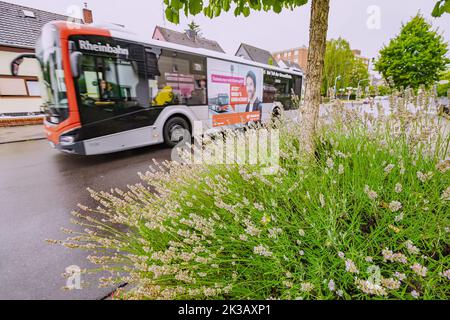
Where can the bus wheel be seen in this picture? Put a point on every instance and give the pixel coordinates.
(175, 130)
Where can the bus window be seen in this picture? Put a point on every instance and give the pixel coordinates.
(279, 87)
(109, 87)
(298, 83)
(181, 79)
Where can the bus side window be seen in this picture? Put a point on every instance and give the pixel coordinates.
(152, 71)
(182, 80)
(269, 93)
(278, 89)
(298, 86)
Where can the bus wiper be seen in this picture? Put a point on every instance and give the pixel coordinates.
(51, 110)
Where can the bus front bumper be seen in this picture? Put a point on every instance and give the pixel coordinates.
(75, 148)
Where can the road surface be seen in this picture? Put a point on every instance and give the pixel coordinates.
(39, 188)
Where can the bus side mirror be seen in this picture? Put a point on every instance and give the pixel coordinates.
(75, 63)
(15, 64)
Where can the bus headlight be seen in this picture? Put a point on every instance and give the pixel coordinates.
(67, 140)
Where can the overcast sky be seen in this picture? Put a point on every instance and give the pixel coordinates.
(366, 24)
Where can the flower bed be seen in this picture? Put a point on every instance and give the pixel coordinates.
(367, 218)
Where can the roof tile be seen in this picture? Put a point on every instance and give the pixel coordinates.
(182, 39)
(17, 30)
(258, 55)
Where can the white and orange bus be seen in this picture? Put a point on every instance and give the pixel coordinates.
(108, 90)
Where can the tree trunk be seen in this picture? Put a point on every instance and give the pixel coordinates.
(317, 46)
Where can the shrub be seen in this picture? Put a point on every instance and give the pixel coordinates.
(444, 88)
(368, 218)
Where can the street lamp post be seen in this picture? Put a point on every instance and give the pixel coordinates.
(349, 90)
(335, 85)
(359, 82)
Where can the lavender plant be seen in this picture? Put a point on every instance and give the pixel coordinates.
(368, 218)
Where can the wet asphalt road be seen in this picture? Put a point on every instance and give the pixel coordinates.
(39, 188)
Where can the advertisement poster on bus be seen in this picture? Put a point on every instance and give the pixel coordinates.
(235, 93)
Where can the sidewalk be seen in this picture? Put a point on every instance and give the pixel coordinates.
(21, 133)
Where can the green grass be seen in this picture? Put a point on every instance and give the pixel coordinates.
(227, 232)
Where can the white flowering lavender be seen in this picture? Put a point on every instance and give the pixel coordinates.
(229, 232)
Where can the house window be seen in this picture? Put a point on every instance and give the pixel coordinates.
(12, 87)
(28, 14)
(18, 87)
(33, 87)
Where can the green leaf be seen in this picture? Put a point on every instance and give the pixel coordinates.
(268, 3)
(437, 10)
(176, 5)
(446, 6)
(169, 14)
(441, 7)
(176, 17)
(214, 8)
(195, 6)
(226, 4)
(217, 11)
(277, 7)
(237, 11)
(208, 12)
(255, 4)
(172, 16)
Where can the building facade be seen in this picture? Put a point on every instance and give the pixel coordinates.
(358, 55)
(300, 56)
(20, 28)
(296, 55)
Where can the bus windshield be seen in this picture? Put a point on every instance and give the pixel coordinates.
(48, 52)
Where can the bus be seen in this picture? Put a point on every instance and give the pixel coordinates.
(108, 90)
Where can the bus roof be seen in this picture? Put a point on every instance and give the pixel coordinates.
(124, 34)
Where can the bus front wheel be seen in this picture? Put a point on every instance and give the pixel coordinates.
(176, 129)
